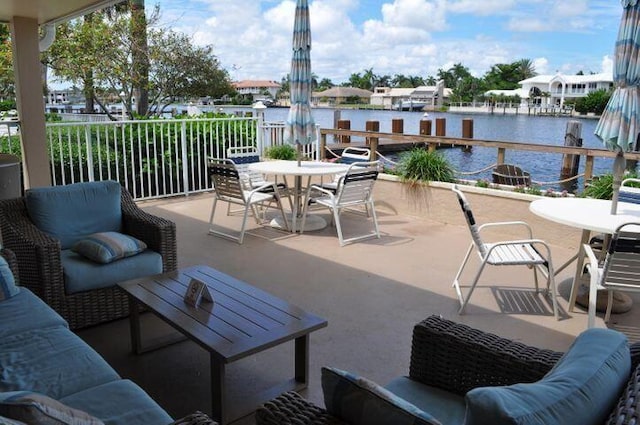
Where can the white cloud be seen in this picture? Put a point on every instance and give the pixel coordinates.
(252, 38)
(607, 65)
(483, 8)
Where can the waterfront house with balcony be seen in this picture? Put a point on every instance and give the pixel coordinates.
(555, 90)
(257, 88)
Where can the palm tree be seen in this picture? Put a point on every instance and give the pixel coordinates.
(525, 69)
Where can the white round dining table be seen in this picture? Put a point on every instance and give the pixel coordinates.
(590, 215)
(306, 169)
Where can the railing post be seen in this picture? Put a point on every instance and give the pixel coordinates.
(344, 125)
(501, 153)
(588, 171)
(323, 146)
(183, 149)
(87, 138)
(260, 134)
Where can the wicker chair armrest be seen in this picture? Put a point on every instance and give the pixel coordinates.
(11, 259)
(627, 411)
(158, 233)
(291, 409)
(457, 358)
(196, 418)
(38, 253)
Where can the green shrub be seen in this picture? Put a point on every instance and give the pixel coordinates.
(286, 152)
(423, 165)
(601, 187)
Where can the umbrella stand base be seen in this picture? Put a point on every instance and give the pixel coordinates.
(621, 301)
(313, 222)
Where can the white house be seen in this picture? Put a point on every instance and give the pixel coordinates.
(554, 90)
(257, 88)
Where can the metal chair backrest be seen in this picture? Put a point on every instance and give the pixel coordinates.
(471, 222)
(352, 154)
(621, 268)
(242, 156)
(225, 178)
(357, 183)
(629, 193)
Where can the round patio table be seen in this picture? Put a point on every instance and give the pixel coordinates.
(590, 215)
(306, 169)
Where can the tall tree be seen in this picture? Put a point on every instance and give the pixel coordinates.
(7, 81)
(140, 55)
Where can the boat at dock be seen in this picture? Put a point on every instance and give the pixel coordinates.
(409, 105)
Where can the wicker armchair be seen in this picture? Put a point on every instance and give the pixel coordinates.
(457, 358)
(40, 268)
(196, 418)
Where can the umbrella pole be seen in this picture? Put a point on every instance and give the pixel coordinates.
(618, 171)
(298, 153)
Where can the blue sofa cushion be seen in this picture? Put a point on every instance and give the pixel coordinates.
(51, 361)
(448, 407)
(69, 213)
(359, 401)
(82, 274)
(119, 402)
(26, 311)
(8, 286)
(106, 247)
(34, 408)
(582, 388)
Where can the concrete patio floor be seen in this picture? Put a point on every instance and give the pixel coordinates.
(371, 293)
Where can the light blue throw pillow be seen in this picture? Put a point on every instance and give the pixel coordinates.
(106, 247)
(359, 401)
(582, 387)
(35, 408)
(8, 286)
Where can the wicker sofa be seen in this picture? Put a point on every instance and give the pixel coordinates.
(41, 256)
(44, 363)
(457, 358)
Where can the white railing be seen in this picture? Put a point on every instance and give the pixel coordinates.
(151, 158)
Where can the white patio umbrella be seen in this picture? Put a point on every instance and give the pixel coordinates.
(300, 126)
(619, 126)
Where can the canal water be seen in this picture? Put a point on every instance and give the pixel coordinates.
(511, 128)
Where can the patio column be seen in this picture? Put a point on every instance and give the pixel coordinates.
(29, 101)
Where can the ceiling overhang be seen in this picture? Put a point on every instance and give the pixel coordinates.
(50, 11)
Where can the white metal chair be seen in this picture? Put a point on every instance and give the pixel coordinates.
(242, 157)
(629, 192)
(354, 189)
(504, 253)
(620, 269)
(349, 156)
(229, 187)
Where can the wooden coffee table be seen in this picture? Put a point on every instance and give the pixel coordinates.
(243, 320)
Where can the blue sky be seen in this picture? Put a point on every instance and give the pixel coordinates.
(252, 38)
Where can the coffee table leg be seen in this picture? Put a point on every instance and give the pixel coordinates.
(218, 410)
(134, 324)
(302, 360)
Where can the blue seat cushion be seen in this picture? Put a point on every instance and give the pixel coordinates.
(582, 387)
(33, 408)
(82, 274)
(51, 361)
(119, 403)
(448, 407)
(359, 401)
(69, 213)
(8, 286)
(26, 311)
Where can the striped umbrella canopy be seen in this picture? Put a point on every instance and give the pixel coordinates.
(619, 125)
(300, 126)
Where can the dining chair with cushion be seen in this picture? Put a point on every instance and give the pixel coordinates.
(355, 189)
(527, 251)
(229, 187)
(349, 155)
(242, 157)
(618, 271)
(74, 243)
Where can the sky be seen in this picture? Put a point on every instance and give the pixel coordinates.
(252, 38)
